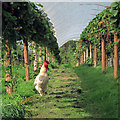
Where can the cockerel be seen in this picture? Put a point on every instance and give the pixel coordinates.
(41, 80)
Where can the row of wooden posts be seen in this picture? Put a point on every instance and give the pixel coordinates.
(8, 62)
(85, 55)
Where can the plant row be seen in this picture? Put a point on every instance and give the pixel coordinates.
(26, 25)
(102, 38)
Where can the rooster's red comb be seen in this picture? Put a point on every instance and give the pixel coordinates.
(46, 62)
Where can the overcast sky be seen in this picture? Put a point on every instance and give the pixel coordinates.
(70, 18)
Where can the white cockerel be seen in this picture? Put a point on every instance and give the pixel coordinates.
(41, 80)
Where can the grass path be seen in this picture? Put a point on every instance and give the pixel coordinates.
(64, 98)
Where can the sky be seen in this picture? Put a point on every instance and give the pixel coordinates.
(70, 18)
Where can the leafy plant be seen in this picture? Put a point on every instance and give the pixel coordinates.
(12, 111)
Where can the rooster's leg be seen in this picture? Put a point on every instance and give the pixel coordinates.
(41, 93)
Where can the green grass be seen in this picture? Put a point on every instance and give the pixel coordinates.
(22, 90)
(81, 92)
(62, 100)
(102, 95)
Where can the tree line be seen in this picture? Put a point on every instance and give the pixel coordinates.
(100, 41)
(27, 24)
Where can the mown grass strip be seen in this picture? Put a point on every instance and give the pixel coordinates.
(102, 97)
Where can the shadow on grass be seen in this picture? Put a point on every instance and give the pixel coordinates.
(58, 93)
(64, 99)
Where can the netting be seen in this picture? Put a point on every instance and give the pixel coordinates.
(70, 18)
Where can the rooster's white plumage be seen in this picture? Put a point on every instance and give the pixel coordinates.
(41, 80)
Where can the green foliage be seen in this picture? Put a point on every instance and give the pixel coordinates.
(67, 52)
(26, 89)
(24, 19)
(89, 61)
(114, 4)
(65, 66)
(12, 111)
(102, 95)
(62, 99)
(3, 85)
(105, 23)
(22, 89)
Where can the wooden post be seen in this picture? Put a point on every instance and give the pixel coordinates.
(26, 58)
(48, 57)
(35, 55)
(95, 56)
(84, 57)
(53, 59)
(23, 58)
(115, 55)
(40, 57)
(13, 57)
(17, 57)
(103, 54)
(47, 54)
(106, 60)
(81, 59)
(90, 50)
(9, 89)
(99, 61)
(81, 56)
(77, 64)
(87, 53)
(111, 59)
